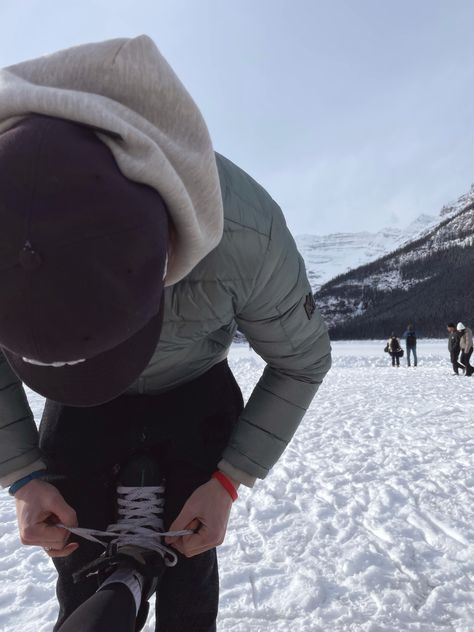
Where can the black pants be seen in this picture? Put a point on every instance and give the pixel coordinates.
(455, 362)
(186, 429)
(395, 358)
(465, 357)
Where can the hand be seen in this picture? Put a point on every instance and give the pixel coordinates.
(207, 511)
(39, 506)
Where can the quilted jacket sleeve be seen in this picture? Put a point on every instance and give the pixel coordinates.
(284, 327)
(19, 453)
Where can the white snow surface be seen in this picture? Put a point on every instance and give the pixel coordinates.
(365, 524)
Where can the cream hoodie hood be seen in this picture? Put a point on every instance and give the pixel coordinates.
(142, 112)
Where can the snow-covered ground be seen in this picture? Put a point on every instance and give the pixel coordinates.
(365, 524)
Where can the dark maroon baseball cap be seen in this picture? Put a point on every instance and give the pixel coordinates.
(83, 253)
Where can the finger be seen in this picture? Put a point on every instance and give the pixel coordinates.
(57, 534)
(46, 533)
(56, 537)
(198, 543)
(184, 518)
(64, 512)
(194, 525)
(63, 552)
(182, 543)
(192, 552)
(42, 534)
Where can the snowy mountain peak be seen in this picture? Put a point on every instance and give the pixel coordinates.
(327, 256)
(422, 222)
(454, 207)
(427, 280)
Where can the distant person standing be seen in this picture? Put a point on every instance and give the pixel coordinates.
(394, 349)
(465, 340)
(410, 339)
(454, 347)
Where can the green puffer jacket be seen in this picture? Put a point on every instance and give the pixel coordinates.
(254, 280)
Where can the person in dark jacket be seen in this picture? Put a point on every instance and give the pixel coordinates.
(454, 348)
(410, 339)
(394, 349)
(465, 343)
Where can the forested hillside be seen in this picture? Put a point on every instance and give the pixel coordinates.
(427, 282)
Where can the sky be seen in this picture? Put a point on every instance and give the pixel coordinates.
(354, 114)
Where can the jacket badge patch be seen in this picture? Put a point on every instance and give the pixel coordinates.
(310, 305)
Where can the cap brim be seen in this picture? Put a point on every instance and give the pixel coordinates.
(97, 380)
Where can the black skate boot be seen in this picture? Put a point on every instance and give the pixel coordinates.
(140, 502)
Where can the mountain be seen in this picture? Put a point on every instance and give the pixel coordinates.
(330, 255)
(427, 281)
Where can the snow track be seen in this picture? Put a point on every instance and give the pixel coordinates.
(365, 525)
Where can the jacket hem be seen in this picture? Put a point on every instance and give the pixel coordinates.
(238, 475)
(9, 479)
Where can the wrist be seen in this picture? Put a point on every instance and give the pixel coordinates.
(229, 484)
(22, 482)
(235, 483)
(235, 474)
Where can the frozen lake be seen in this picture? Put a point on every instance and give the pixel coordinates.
(365, 524)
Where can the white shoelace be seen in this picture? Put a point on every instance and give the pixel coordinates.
(139, 523)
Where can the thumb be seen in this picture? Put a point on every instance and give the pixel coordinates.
(64, 512)
(185, 520)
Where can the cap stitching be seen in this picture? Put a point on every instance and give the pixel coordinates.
(28, 237)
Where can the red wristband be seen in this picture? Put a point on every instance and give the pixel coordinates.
(226, 484)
